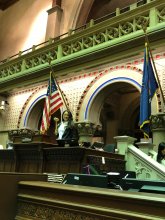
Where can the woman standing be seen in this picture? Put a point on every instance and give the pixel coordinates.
(161, 153)
(66, 131)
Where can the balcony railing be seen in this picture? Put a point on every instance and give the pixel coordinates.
(107, 31)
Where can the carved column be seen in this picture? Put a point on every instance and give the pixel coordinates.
(86, 130)
(158, 129)
(54, 20)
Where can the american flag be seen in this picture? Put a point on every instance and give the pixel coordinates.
(52, 103)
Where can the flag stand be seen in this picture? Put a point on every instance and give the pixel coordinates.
(152, 59)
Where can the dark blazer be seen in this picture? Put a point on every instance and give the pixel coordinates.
(70, 134)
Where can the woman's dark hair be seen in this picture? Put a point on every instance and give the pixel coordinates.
(69, 114)
(70, 119)
(160, 156)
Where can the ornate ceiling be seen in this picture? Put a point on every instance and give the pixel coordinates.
(4, 4)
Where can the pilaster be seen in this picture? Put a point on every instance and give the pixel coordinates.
(54, 21)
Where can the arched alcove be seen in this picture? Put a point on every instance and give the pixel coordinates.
(35, 117)
(114, 101)
(31, 114)
(119, 110)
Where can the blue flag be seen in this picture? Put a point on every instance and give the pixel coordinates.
(149, 87)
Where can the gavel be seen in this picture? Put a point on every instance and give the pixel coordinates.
(56, 123)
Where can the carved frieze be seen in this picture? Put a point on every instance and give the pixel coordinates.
(37, 211)
(144, 172)
(158, 121)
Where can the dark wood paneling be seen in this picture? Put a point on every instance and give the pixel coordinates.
(72, 159)
(67, 202)
(46, 158)
(7, 161)
(8, 191)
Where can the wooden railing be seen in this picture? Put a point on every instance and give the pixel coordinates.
(38, 200)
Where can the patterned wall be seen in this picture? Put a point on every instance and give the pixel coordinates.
(73, 87)
(73, 90)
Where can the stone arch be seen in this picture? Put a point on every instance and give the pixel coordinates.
(114, 120)
(105, 101)
(34, 113)
(35, 97)
(82, 13)
(92, 101)
(33, 109)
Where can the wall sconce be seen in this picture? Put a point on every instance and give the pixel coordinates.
(3, 105)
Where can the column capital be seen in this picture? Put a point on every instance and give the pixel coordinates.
(85, 130)
(124, 138)
(54, 9)
(158, 129)
(158, 121)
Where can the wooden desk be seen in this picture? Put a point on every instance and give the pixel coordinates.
(29, 156)
(72, 159)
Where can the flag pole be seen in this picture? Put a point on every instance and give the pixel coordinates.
(52, 72)
(50, 84)
(155, 70)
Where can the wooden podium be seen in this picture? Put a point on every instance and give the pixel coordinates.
(29, 152)
(72, 159)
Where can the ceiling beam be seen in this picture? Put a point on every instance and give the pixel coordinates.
(4, 4)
